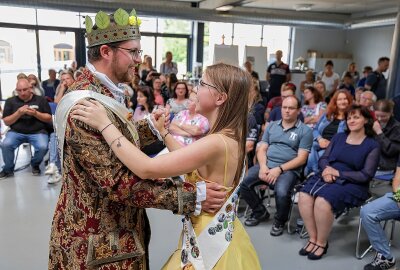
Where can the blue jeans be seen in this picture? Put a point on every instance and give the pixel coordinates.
(283, 190)
(372, 214)
(13, 140)
(53, 152)
(312, 162)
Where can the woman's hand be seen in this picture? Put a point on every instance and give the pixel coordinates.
(159, 123)
(91, 113)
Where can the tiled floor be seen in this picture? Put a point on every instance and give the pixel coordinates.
(26, 209)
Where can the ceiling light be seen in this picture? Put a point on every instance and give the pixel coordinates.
(224, 8)
(303, 7)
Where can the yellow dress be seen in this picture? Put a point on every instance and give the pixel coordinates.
(240, 255)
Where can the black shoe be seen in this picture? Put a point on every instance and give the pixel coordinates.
(312, 256)
(35, 170)
(4, 174)
(381, 263)
(277, 229)
(254, 220)
(304, 251)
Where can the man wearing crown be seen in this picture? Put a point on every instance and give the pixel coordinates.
(100, 220)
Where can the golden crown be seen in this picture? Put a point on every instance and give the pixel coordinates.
(120, 26)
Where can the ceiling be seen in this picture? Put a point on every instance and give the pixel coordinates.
(322, 13)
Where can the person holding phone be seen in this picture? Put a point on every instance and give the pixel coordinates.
(26, 114)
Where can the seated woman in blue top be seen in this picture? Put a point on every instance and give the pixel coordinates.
(347, 166)
(331, 122)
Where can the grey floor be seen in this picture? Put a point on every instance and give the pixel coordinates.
(26, 209)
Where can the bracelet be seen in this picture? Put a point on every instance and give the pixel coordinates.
(117, 139)
(101, 131)
(280, 167)
(163, 137)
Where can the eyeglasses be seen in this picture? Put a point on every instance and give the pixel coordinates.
(202, 83)
(133, 52)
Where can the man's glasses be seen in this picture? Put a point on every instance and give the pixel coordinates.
(133, 52)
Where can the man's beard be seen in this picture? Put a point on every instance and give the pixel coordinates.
(121, 74)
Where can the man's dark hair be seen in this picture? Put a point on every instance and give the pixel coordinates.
(329, 63)
(94, 54)
(383, 59)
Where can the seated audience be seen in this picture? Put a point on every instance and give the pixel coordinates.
(249, 68)
(309, 81)
(256, 103)
(180, 99)
(281, 154)
(276, 113)
(342, 181)
(367, 100)
(67, 79)
(320, 86)
(276, 102)
(36, 85)
(146, 68)
(366, 71)
(348, 83)
(329, 77)
(132, 104)
(314, 106)
(26, 114)
(158, 97)
(352, 70)
(357, 96)
(388, 134)
(187, 125)
(145, 102)
(50, 85)
(332, 122)
(372, 215)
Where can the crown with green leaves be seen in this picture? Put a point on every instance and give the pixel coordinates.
(120, 26)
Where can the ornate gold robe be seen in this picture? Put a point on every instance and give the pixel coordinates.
(100, 215)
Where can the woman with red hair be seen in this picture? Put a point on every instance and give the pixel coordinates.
(332, 122)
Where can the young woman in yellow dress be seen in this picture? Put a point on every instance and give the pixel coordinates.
(218, 157)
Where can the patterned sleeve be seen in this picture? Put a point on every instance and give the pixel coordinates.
(203, 123)
(145, 134)
(99, 165)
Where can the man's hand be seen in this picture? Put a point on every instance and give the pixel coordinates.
(215, 198)
(273, 174)
(30, 111)
(323, 143)
(262, 174)
(22, 110)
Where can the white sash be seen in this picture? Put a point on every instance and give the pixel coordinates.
(72, 98)
(204, 252)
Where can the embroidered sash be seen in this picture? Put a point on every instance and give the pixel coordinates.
(70, 99)
(204, 251)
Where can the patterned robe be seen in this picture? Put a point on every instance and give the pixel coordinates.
(100, 213)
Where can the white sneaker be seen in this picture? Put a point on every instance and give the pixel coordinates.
(51, 169)
(54, 178)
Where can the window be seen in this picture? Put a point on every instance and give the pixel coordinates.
(276, 38)
(57, 50)
(174, 26)
(217, 33)
(17, 54)
(17, 15)
(246, 34)
(58, 18)
(5, 52)
(178, 47)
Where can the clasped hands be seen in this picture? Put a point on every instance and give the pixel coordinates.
(26, 110)
(330, 174)
(269, 175)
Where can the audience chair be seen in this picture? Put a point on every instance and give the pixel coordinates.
(29, 148)
(361, 254)
(260, 189)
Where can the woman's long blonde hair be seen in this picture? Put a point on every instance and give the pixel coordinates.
(232, 114)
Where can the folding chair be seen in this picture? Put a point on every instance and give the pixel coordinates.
(24, 145)
(361, 254)
(260, 189)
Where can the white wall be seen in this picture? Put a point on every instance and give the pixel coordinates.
(321, 40)
(368, 44)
